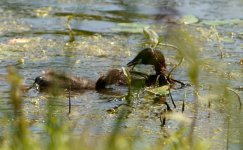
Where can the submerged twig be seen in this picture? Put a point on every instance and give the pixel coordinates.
(238, 96)
(172, 99)
(183, 106)
(69, 101)
(167, 107)
(71, 33)
(183, 103)
(175, 67)
(163, 118)
(182, 83)
(209, 106)
(164, 113)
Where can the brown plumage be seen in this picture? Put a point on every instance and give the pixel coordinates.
(51, 79)
(148, 56)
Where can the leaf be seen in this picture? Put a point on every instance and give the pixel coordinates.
(43, 12)
(151, 35)
(162, 90)
(222, 22)
(227, 39)
(240, 35)
(129, 27)
(127, 74)
(241, 61)
(21, 60)
(188, 19)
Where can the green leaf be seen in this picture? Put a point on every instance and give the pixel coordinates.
(188, 19)
(241, 61)
(227, 39)
(151, 35)
(162, 90)
(240, 35)
(129, 27)
(222, 22)
(127, 74)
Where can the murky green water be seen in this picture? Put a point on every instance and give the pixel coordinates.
(108, 35)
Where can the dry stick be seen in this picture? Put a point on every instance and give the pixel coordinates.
(172, 46)
(182, 83)
(168, 45)
(175, 67)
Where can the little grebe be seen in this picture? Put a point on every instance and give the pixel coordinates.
(50, 79)
(148, 56)
(113, 76)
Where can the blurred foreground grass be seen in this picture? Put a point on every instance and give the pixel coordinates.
(59, 135)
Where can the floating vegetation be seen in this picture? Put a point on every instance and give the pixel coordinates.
(241, 61)
(162, 90)
(188, 19)
(129, 27)
(43, 12)
(222, 22)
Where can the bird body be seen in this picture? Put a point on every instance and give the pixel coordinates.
(149, 56)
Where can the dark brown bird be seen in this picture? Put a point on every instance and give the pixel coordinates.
(148, 56)
(51, 79)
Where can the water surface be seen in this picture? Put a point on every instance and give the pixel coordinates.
(38, 33)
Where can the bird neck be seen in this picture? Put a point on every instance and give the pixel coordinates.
(100, 83)
(160, 69)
